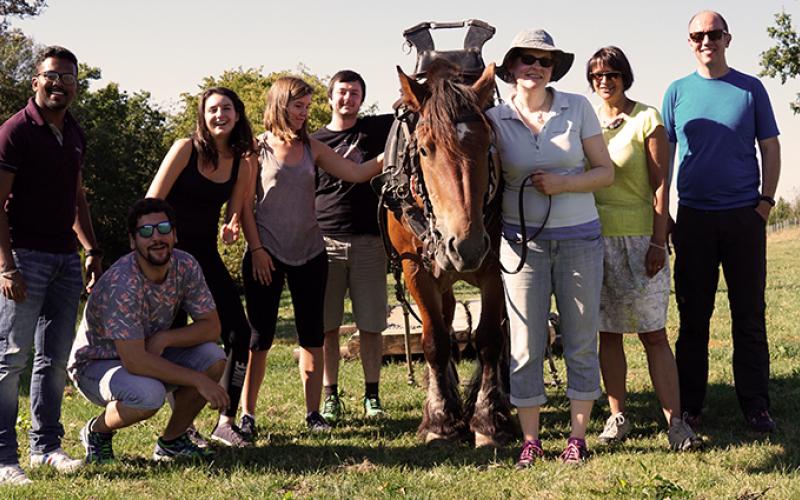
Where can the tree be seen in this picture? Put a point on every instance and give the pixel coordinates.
(125, 144)
(17, 65)
(19, 8)
(251, 85)
(783, 60)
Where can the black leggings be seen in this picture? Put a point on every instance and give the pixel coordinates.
(307, 287)
(235, 328)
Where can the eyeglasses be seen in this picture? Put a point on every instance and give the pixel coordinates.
(713, 35)
(54, 76)
(529, 59)
(147, 230)
(598, 77)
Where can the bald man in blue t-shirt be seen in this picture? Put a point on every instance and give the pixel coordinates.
(716, 116)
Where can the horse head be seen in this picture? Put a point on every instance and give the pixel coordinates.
(452, 139)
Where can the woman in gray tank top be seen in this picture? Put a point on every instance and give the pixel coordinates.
(284, 240)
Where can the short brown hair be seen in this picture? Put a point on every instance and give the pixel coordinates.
(276, 120)
(614, 58)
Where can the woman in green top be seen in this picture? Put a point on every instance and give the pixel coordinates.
(634, 214)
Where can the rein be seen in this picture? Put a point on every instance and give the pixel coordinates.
(523, 230)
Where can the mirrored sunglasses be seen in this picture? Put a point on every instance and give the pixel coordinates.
(147, 230)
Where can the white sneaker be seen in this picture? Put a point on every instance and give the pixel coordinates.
(616, 429)
(57, 459)
(13, 475)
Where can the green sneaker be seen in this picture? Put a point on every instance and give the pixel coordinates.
(373, 408)
(180, 447)
(332, 409)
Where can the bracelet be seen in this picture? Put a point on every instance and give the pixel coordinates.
(257, 248)
(8, 274)
(660, 247)
(94, 252)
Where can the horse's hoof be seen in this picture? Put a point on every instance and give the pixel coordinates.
(484, 440)
(434, 438)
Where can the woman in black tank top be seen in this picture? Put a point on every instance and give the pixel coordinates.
(197, 177)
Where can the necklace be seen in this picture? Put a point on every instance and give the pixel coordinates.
(617, 121)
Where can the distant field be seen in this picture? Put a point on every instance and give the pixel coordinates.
(378, 460)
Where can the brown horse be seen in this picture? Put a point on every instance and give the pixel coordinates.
(452, 140)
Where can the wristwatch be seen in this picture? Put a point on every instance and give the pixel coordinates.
(768, 199)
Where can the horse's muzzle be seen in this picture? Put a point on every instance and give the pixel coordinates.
(463, 255)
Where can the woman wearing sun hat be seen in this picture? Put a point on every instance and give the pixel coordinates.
(551, 147)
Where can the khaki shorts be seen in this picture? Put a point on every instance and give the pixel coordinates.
(356, 264)
(630, 302)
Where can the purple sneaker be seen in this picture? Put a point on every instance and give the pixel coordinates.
(531, 450)
(575, 453)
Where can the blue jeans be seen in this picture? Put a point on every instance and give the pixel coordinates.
(573, 271)
(45, 323)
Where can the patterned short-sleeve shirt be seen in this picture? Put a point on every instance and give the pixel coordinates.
(125, 305)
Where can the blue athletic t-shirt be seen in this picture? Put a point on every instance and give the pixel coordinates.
(716, 123)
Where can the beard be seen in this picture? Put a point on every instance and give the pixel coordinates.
(152, 257)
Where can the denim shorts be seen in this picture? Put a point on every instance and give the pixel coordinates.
(572, 270)
(105, 380)
(356, 264)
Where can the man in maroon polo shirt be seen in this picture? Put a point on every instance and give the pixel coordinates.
(41, 152)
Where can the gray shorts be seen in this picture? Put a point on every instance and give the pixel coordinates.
(630, 302)
(105, 380)
(357, 264)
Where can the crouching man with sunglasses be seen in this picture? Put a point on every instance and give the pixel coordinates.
(126, 358)
(716, 116)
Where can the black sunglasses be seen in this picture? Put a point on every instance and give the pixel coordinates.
(598, 77)
(54, 76)
(146, 230)
(529, 59)
(713, 35)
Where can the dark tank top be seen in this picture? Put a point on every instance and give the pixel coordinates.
(197, 202)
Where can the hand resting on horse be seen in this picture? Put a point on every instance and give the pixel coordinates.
(336, 165)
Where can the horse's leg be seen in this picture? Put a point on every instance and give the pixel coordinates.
(488, 411)
(441, 416)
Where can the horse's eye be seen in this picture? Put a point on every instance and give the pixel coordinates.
(423, 151)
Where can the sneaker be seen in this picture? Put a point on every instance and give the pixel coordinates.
(373, 408)
(316, 422)
(13, 475)
(616, 429)
(180, 447)
(247, 427)
(681, 436)
(97, 444)
(57, 459)
(229, 435)
(694, 420)
(531, 450)
(760, 421)
(198, 439)
(575, 453)
(332, 410)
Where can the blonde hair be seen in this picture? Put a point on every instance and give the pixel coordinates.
(276, 120)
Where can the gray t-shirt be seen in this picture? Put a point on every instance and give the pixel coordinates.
(557, 149)
(285, 212)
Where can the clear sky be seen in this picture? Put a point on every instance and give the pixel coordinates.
(167, 46)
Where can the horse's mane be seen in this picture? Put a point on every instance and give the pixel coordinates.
(448, 100)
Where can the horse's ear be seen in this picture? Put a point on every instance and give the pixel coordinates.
(411, 92)
(484, 88)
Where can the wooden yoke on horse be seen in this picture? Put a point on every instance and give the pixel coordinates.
(438, 196)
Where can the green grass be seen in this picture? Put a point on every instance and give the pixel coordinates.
(366, 459)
